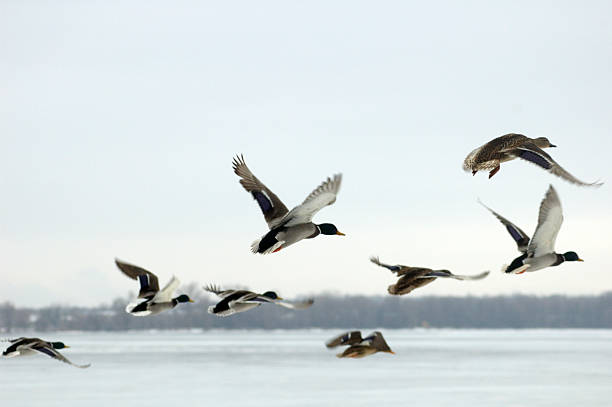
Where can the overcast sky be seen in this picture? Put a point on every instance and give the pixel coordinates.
(119, 120)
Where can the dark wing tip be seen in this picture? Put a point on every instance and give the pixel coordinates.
(212, 288)
(237, 162)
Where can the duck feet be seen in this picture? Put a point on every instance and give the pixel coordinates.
(493, 171)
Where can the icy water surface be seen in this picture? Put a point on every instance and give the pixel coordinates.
(293, 368)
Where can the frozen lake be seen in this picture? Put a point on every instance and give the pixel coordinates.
(293, 368)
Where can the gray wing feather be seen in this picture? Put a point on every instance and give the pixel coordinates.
(273, 209)
(532, 153)
(134, 272)
(49, 351)
(324, 195)
(448, 274)
(211, 288)
(347, 338)
(550, 219)
(521, 238)
(295, 305)
(376, 260)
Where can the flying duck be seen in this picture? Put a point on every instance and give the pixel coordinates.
(30, 346)
(359, 347)
(414, 277)
(288, 227)
(235, 301)
(538, 252)
(156, 300)
(511, 146)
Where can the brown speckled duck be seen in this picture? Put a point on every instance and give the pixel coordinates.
(412, 278)
(510, 146)
(359, 347)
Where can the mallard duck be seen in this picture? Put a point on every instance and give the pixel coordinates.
(30, 346)
(511, 146)
(156, 300)
(235, 301)
(414, 277)
(539, 252)
(288, 227)
(359, 347)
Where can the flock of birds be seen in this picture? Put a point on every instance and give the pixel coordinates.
(287, 227)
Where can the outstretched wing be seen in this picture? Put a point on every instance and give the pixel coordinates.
(211, 288)
(400, 270)
(375, 260)
(549, 223)
(271, 206)
(49, 351)
(448, 274)
(249, 297)
(165, 294)
(377, 341)
(295, 305)
(534, 154)
(324, 195)
(149, 284)
(521, 238)
(347, 338)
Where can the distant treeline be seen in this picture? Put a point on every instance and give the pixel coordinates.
(333, 311)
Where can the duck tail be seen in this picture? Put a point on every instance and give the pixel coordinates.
(276, 246)
(255, 245)
(211, 309)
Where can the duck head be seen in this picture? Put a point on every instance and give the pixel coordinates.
(271, 295)
(571, 256)
(543, 142)
(59, 345)
(329, 229)
(183, 298)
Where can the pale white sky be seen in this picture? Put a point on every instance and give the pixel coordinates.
(119, 120)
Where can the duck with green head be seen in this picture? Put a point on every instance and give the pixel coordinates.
(31, 346)
(155, 300)
(538, 252)
(288, 226)
(236, 301)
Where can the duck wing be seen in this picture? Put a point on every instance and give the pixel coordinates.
(48, 350)
(347, 338)
(324, 195)
(211, 288)
(549, 223)
(521, 238)
(409, 272)
(534, 154)
(254, 298)
(273, 209)
(166, 293)
(149, 285)
(376, 260)
(295, 305)
(377, 341)
(448, 274)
